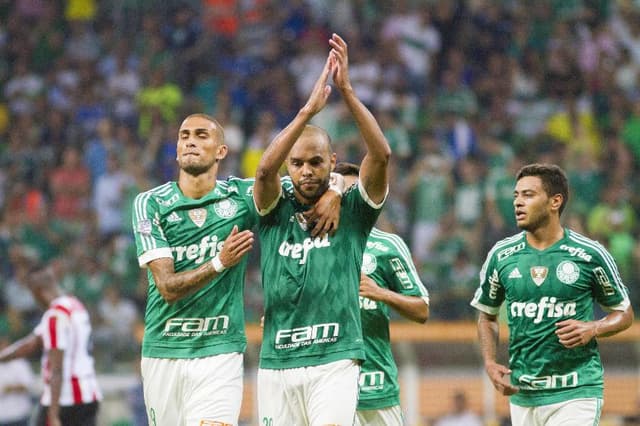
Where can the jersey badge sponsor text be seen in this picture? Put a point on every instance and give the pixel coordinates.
(226, 208)
(302, 221)
(198, 216)
(568, 272)
(144, 227)
(539, 274)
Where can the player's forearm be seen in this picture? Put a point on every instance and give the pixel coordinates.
(614, 323)
(411, 307)
(20, 349)
(377, 146)
(488, 333)
(55, 384)
(56, 357)
(275, 154)
(267, 185)
(174, 286)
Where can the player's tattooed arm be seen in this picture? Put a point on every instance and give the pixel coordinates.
(173, 285)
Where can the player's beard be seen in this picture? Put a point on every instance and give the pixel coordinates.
(535, 222)
(311, 197)
(196, 168)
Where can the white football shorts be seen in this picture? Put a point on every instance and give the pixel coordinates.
(193, 392)
(574, 412)
(320, 395)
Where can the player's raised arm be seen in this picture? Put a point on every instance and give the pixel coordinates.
(373, 169)
(267, 185)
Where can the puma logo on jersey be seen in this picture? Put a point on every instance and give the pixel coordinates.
(515, 273)
(547, 307)
(301, 250)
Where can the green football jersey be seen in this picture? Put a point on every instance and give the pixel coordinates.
(540, 288)
(311, 284)
(167, 224)
(388, 262)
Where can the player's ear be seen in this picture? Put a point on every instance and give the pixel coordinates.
(556, 201)
(222, 151)
(333, 161)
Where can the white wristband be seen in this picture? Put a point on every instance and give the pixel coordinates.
(335, 189)
(336, 183)
(217, 264)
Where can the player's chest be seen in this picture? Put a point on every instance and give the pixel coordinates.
(218, 217)
(531, 274)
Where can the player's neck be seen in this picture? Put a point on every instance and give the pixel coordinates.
(545, 236)
(197, 186)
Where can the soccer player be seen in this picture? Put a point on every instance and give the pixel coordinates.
(192, 235)
(388, 279)
(71, 393)
(312, 345)
(549, 277)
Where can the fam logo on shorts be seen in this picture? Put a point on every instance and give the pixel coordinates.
(213, 423)
(226, 208)
(369, 263)
(539, 274)
(568, 272)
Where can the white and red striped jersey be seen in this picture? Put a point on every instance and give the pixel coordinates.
(66, 326)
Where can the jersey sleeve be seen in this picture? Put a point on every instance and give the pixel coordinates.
(151, 243)
(54, 330)
(490, 293)
(402, 275)
(607, 286)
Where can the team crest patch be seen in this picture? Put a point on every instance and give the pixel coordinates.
(226, 208)
(568, 272)
(539, 274)
(369, 264)
(198, 216)
(302, 221)
(144, 227)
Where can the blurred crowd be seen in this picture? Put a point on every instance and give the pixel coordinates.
(92, 94)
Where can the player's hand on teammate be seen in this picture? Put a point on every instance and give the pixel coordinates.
(499, 376)
(325, 214)
(573, 333)
(340, 72)
(237, 244)
(370, 290)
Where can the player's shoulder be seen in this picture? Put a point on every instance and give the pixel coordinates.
(580, 245)
(235, 185)
(386, 241)
(158, 194)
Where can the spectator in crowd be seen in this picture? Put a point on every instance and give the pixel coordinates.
(460, 413)
(16, 384)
